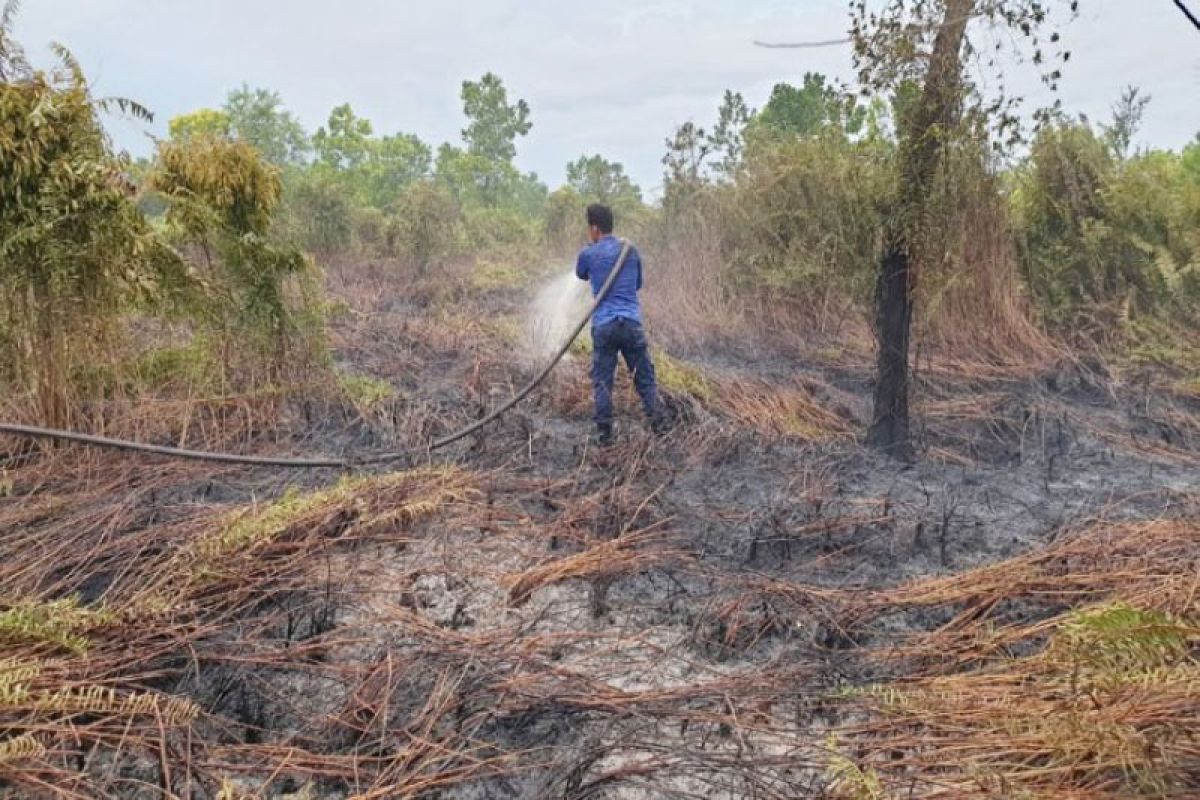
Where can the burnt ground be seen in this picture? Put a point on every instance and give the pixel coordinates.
(1008, 464)
(651, 582)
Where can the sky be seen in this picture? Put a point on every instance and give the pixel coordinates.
(613, 78)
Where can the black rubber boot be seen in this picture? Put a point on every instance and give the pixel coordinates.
(660, 424)
(604, 434)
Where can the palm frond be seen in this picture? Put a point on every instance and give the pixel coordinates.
(70, 63)
(11, 8)
(126, 107)
(12, 56)
(13, 64)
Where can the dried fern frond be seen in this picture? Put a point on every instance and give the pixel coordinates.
(21, 748)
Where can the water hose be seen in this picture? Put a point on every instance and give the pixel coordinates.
(34, 432)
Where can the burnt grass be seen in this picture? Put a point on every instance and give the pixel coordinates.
(1006, 465)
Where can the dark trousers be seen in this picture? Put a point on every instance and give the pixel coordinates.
(625, 338)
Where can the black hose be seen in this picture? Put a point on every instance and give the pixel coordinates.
(33, 432)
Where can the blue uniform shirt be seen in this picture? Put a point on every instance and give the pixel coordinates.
(595, 263)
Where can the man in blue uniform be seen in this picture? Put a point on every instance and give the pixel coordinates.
(617, 323)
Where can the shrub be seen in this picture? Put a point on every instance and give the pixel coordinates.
(502, 233)
(319, 212)
(222, 198)
(75, 249)
(424, 227)
(1097, 230)
(806, 214)
(564, 224)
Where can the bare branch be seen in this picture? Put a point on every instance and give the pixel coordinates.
(1187, 13)
(849, 39)
(799, 45)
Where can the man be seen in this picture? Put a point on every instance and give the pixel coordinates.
(617, 323)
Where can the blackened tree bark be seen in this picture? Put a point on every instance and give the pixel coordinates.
(893, 323)
(921, 139)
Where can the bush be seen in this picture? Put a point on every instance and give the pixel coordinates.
(805, 214)
(1097, 230)
(370, 229)
(502, 233)
(222, 198)
(319, 212)
(424, 228)
(75, 249)
(563, 227)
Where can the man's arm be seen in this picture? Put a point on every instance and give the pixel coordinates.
(637, 262)
(582, 270)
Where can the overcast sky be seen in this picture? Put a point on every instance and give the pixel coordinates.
(602, 77)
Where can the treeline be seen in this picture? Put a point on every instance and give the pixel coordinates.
(348, 188)
(1095, 231)
(793, 196)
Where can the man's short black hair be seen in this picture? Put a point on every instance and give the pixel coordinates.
(601, 216)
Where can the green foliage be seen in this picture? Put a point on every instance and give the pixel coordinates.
(365, 392)
(1096, 231)
(687, 150)
(728, 139)
(204, 122)
(475, 181)
(493, 124)
(215, 182)
(695, 155)
(680, 378)
(257, 116)
(564, 220)
(806, 214)
(501, 232)
(360, 185)
(598, 180)
(74, 247)
(425, 225)
(847, 780)
(60, 622)
(319, 212)
(222, 198)
(344, 143)
(470, 177)
(808, 110)
(1126, 120)
(490, 276)
(1118, 643)
(394, 163)
(1191, 161)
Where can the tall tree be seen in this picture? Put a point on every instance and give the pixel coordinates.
(599, 180)
(924, 43)
(257, 116)
(809, 108)
(345, 141)
(394, 163)
(728, 138)
(687, 151)
(493, 124)
(484, 172)
(1127, 116)
(1191, 159)
(73, 246)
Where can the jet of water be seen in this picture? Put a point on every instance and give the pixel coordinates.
(556, 310)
